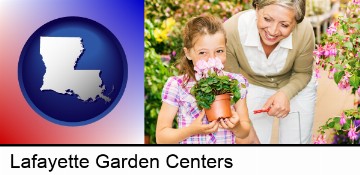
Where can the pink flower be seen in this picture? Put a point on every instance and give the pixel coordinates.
(320, 139)
(331, 73)
(342, 119)
(165, 57)
(352, 133)
(331, 30)
(201, 65)
(218, 64)
(317, 60)
(319, 51)
(356, 2)
(358, 91)
(317, 73)
(344, 82)
(351, 31)
(330, 50)
(211, 63)
(198, 76)
(201, 69)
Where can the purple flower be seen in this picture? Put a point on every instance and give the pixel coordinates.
(342, 119)
(357, 123)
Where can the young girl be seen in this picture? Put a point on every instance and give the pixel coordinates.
(204, 38)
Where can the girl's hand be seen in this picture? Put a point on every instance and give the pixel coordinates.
(280, 105)
(230, 123)
(199, 128)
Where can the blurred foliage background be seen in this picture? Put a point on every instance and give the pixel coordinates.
(164, 20)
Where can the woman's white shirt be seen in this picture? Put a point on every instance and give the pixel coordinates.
(254, 52)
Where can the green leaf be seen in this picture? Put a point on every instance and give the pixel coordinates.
(331, 124)
(346, 126)
(193, 91)
(357, 26)
(339, 67)
(325, 127)
(349, 45)
(337, 126)
(336, 119)
(338, 76)
(357, 116)
(354, 81)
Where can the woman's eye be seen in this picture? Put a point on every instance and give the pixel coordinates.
(266, 19)
(284, 25)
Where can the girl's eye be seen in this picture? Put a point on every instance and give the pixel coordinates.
(219, 51)
(202, 53)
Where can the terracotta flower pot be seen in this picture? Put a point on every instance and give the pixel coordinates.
(146, 139)
(220, 108)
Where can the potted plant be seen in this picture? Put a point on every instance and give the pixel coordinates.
(339, 53)
(214, 91)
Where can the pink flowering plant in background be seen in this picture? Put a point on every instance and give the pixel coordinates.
(212, 81)
(339, 54)
(346, 128)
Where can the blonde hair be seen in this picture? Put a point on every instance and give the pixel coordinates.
(297, 5)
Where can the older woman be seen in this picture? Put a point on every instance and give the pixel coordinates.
(272, 46)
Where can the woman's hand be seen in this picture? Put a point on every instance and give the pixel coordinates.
(279, 104)
(230, 123)
(197, 127)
